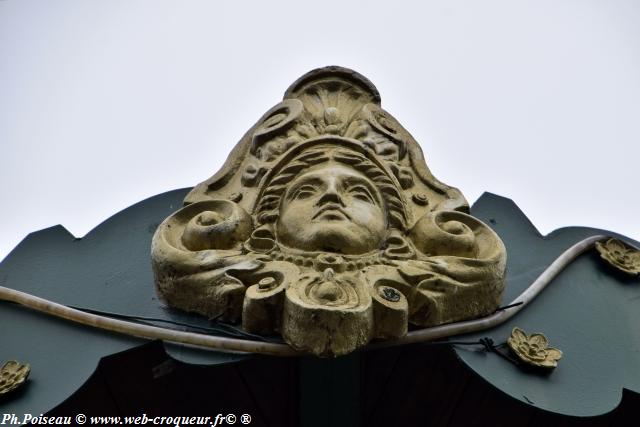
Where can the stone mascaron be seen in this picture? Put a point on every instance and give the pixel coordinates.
(325, 225)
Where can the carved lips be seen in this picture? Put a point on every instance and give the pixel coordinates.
(331, 213)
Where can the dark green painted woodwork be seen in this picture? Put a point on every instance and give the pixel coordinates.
(107, 270)
(589, 312)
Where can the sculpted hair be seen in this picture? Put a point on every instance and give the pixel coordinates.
(267, 210)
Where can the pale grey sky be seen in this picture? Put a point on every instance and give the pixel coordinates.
(105, 103)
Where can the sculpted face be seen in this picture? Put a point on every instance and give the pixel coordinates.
(332, 208)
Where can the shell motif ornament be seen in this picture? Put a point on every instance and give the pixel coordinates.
(620, 256)
(533, 349)
(13, 375)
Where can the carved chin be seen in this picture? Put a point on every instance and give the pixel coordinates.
(331, 238)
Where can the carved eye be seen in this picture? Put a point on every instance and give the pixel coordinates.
(361, 192)
(304, 191)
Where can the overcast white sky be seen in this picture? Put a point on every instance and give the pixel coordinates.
(105, 103)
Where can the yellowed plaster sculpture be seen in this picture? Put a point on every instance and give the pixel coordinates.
(533, 350)
(325, 225)
(620, 256)
(13, 375)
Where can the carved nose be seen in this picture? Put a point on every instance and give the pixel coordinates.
(331, 196)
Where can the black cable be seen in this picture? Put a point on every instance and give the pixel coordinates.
(220, 328)
(504, 307)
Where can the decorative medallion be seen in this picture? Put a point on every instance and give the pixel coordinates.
(326, 226)
(13, 375)
(533, 349)
(620, 256)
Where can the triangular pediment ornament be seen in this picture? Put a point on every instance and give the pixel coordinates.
(325, 225)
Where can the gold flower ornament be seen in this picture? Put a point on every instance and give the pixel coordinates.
(533, 349)
(620, 256)
(13, 375)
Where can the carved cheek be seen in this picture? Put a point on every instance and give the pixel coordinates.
(367, 214)
(297, 214)
(304, 211)
(288, 213)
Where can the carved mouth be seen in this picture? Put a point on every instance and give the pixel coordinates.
(331, 212)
